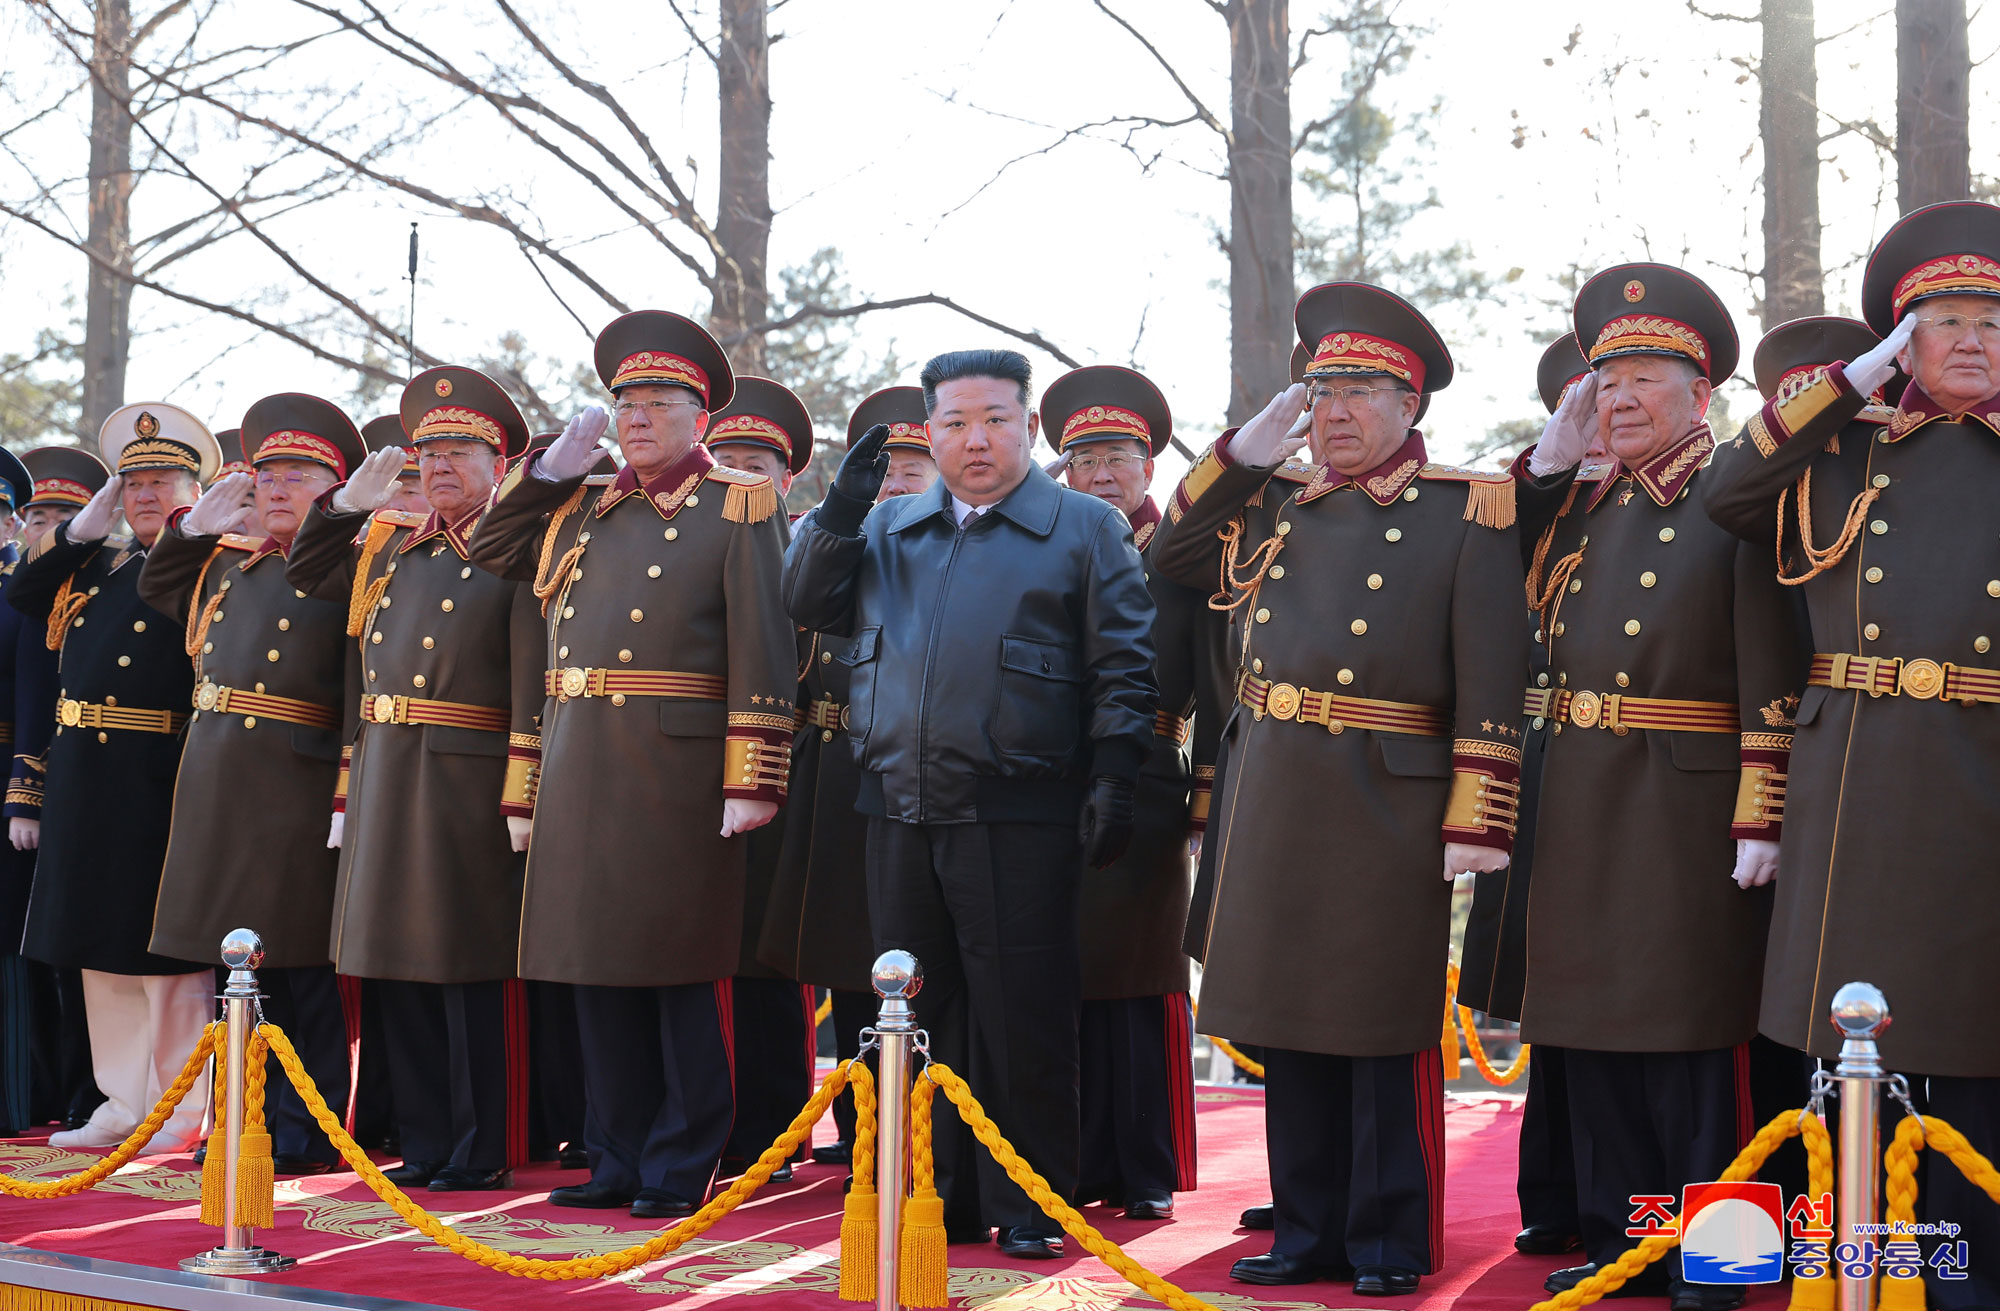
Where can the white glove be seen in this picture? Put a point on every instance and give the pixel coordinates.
(1756, 862)
(93, 522)
(220, 509)
(25, 834)
(1262, 442)
(740, 815)
(1467, 858)
(573, 454)
(372, 485)
(1567, 434)
(337, 830)
(1877, 366)
(518, 828)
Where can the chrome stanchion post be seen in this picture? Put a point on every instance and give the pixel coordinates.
(897, 978)
(1860, 1012)
(242, 952)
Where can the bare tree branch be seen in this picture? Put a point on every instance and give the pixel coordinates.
(800, 315)
(1201, 110)
(693, 36)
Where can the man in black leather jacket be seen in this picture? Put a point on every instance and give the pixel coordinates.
(1002, 704)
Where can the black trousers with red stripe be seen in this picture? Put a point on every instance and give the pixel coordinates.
(659, 1085)
(774, 1053)
(305, 1001)
(1356, 1146)
(1650, 1123)
(458, 1057)
(1137, 1087)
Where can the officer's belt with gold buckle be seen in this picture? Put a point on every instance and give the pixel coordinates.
(1621, 714)
(88, 714)
(1339, 713)
(1171, 726)
(385, 709)
(1895, 676)
(567, 684)
(235, 701)
(826, 714)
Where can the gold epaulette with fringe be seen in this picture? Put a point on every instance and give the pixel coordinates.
(752, 498)
(1489, 493)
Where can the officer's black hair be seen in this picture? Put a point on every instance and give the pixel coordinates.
(1005, 365)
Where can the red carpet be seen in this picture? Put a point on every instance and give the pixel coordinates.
(781, 1246)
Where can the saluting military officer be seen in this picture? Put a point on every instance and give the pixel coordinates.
(65, 478)
(669, 658)
(816, 926)
(387, 430)
(1136, 1030)
(125, 679)
(442, 785)
(262, 760)
(1886, 871)
(1376, 633)
(1674, 669)
(766, 430)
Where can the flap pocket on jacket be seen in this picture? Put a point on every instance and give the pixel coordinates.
(693, 718)
(1698, 751)
(856, 650)
(318, 743)
(1809, 705)
(1415, 757)
(1025, 655)
(449, 741)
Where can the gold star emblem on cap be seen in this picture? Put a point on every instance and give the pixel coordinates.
(444, 386)
(1635, 291)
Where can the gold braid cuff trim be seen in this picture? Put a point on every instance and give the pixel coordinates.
(748, 719)
(1760, 795)
(1480, 801)
(1767, 742)
(365, 594)
(750, 763)
(531, 741)
(1467, 746)
(523, 784)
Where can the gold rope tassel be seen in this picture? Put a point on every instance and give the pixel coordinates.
(255, 1186)
(1490, 505)
(1816, 1294)
(365, 594)
(548, 582)
(1900, 1190)
(858, 1224)
(69, 604)
(13, 1298)
(214, 1152)
(753, 503)
(925, 1274)
(1820, 560)
(1448, 1042)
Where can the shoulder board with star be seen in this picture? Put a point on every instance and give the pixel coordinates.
(1489, 493)
(119, 542)
(752, 497)
(1596, 473)
(401, 518)
(1879, 415)
(1292, 471)
(600, 479)
(239, 542)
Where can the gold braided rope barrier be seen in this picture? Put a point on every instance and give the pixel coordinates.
(134, 1142)
(825, 1010)
(1473, 1047)
(1899, 1188)
(584, 1267)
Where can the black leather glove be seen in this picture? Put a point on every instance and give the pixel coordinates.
(1106, 825)
(857, 484)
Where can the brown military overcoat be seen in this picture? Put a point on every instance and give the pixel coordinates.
(1887, 872)
(257, 778)
(673, 586)
(1638, 938)
(429, 885)
(1328, 925)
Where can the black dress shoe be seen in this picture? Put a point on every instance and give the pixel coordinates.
(201, 1154)
(1546, 1240)
(1384, 1281)
(1257, 1217)
(1271, 1268)
(1650, 1282)
(295, 1163)
(454, 1179)
(414, 1174)
(966, 1233)
(835, 1154)
(1706, 1297)
(1032, 1244)
(574, 1158)
(653, 1204)
(1149, 1206)
(593, 1195)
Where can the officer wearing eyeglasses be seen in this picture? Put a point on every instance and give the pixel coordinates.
(1886, 872)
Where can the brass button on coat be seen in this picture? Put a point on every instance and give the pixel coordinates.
(1874, 574)
(1374, 582)
(1393, 535)
(1345, 677)
(1263, 616)
(1872, 631)
(418, 680)
(445, 605)
(1666, 534)
(138, 625)
(638, 615)
(1358, 627)
(272, 655)
(653, 572)
(1878, 527)
(284, 625)
(1277, 571)
(428, 644)
(1631, 628)
(672, 533)
(1648, 578)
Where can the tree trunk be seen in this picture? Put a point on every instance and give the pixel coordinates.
(107, 334)
(1933, 65)
(743, 173)
(1261, 290)
(1794, 284)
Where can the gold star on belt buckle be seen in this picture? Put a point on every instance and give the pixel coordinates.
(382, 709)
(1923, 678)
(574, 683)
(1585, 708)
(1282, 701)
(205, 696)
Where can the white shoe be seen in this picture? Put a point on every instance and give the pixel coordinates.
(91, 1135)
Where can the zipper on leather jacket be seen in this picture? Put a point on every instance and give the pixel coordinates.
(930, 661)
